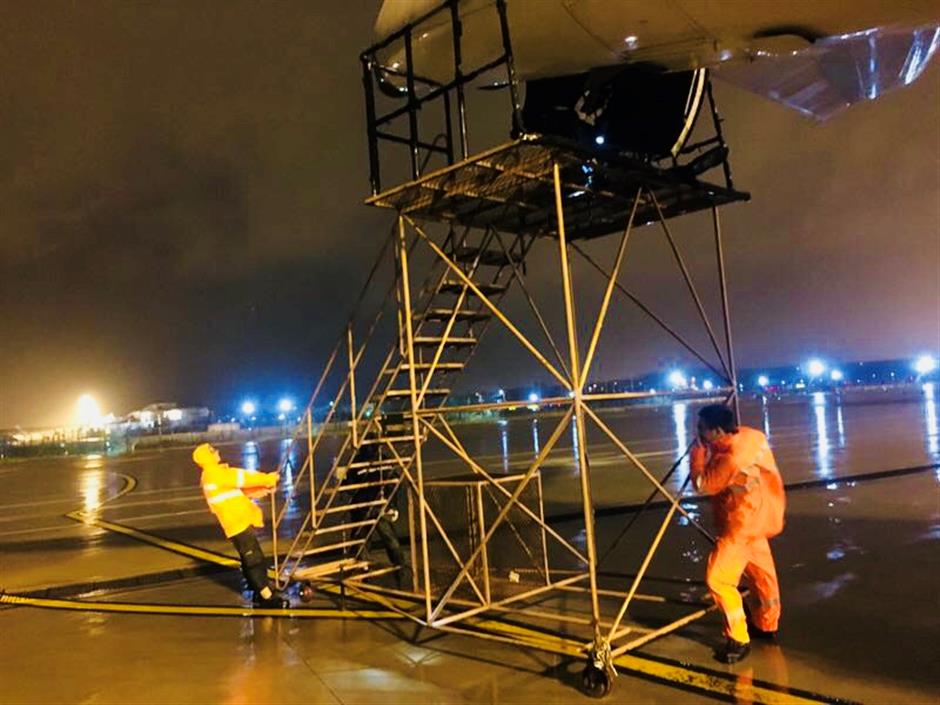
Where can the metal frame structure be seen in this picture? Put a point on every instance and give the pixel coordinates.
(496, 206)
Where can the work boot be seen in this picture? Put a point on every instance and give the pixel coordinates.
(732, 651)
(275, 602)
(756, 632)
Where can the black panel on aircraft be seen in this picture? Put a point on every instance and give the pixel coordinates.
(634, 109)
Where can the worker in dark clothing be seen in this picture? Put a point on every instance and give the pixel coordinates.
(369, 477)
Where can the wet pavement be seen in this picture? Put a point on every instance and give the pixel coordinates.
(858, 563)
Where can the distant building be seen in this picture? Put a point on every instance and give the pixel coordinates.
(167, 417)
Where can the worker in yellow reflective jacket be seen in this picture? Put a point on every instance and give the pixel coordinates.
(229, 492)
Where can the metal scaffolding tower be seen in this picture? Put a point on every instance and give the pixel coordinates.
(478, 541)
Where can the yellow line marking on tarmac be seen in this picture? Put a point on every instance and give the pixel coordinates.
(687, 676)
(713, 683)
(194, 610)
(154, 540)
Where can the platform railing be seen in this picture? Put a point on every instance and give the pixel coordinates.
(452, 93)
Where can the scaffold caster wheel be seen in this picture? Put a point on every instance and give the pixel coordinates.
(307, 592)
(594, 681)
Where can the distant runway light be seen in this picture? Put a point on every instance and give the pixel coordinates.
(534, 397)
(599, 139)
(677, 379)
(708, 385)
(763, 380)
(88, 412)
(836, 375)
(285, 405)
(248, 408)
(925, 364)
(815, 368)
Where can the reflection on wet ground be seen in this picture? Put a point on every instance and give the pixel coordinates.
(858, 564)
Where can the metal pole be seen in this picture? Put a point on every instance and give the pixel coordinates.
(352, 387)
(493, 308)
(517, 126)
(457, 31)
(519, 277)
(412, 105)
(310, 452)
(415, 422)
(691, 286)
(277, 574)
(453, 443)
(642, 571)
(484, 556)
(602, 314)
(716, 120)
(648, 311)
(578, 406)
(374, 177)
(523, 481)
(725, 312)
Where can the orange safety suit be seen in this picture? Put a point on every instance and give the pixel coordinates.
(740, 473)
(228, 492)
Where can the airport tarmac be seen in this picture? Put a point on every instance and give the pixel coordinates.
(858, 565)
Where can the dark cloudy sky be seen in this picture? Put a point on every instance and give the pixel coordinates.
(181, 218)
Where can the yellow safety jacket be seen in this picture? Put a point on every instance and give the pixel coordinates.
(227, 491)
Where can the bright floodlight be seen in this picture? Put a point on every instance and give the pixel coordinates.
(763, 380)
(708, 385)
(815, 368)
(285, 405)
(677, 379)
(87, 411)
(248, 408)
(534, 397)
(836, 375)
(599, 139)
(925, 364)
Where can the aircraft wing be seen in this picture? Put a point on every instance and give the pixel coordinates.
(815, 56)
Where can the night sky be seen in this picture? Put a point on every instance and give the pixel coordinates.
(181, 213)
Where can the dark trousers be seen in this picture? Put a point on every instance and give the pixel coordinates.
(254, 564)
(383, 527)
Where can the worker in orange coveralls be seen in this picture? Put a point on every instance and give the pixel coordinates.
(735, 466)
(229, 492)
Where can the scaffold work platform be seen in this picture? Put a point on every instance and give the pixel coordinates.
(510, 188)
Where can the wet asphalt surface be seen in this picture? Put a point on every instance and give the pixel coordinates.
(858, 565)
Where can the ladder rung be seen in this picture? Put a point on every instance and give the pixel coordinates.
(362, 485)
(456, 287)
(490, 258)
(348, 507)
(333, 547)
(322, 570)
(382, 439)
(439, 367)
(374, 464)
(432, 342)
(444, 314)
(344, 527)
(407, 392)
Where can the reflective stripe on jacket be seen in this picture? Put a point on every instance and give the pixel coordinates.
(741, 474)
(225, 491)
